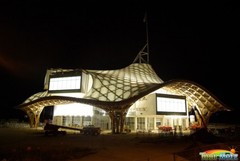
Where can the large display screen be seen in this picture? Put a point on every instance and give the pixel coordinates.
(171, 105)
(69, 83)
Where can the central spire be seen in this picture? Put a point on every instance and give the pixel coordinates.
(143, 55)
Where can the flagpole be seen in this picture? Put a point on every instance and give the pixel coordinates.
(145, 49)
(146, 22)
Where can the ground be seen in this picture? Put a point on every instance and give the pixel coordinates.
(28, 144)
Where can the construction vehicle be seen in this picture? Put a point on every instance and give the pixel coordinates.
(52, 129)
(91, 130)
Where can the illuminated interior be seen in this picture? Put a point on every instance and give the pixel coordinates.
(65, 83)
(171, 104)
(132, 90)
(73, 109)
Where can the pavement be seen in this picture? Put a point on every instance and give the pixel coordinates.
(32, 144)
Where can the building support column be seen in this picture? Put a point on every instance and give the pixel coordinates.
(146, 124)
(117, 119)
(34, 117)
(135, 123)
(111, 115)
(122, 120)
(31, 118)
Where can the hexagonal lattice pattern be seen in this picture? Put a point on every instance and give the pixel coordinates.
(117, 85)
(116, 88)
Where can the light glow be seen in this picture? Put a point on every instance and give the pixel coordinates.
(65, 83)
(73, 109)
(165, 104)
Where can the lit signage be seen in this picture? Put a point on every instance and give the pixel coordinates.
(219, 155)
(171, 104)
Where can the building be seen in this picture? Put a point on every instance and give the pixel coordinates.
(133, 97)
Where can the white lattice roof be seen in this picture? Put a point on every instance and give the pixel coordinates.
(119, 89)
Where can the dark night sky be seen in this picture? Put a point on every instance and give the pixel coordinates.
(197, 41)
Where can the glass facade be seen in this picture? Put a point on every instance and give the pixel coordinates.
(65, 83)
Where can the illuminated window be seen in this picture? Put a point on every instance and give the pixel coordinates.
(73, 109)
(171, 104)
(141, 123)
(150, 123)
(130, 123)
(65, 83)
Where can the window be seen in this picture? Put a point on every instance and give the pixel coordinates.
(170, 104)
(141, 123)
(65, 83)
(130, 123)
